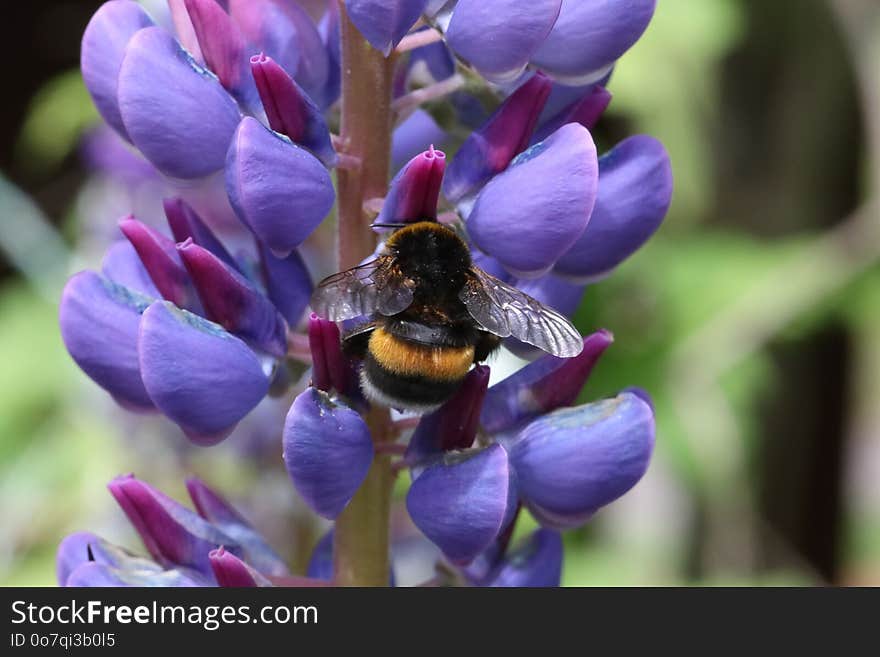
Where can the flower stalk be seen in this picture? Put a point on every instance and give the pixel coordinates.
(361, 537)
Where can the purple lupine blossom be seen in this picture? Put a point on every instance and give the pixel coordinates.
(239, 98)
(212, 546)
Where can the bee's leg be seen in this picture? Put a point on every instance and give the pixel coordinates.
(485, 345)
(354, 342)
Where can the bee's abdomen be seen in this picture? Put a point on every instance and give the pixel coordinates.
(403, 374)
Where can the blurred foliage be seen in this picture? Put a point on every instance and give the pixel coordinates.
(58, 116)
(60, 439)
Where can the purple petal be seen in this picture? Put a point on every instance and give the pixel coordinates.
(103, 45)
(103, 150)
(544, 199)
(490, 265)
(542, 386)
(642, 394)
(186, 224)
(498, 36)
(574, 461)
(159, 257)
(172, 534)
(414, 191)
(328, 28)
(437, 59)
(288, 283)
(230, 300)
(587, 111)
(176, 113)
(77, 549)
(200, 376)
(589, 36)
(85, 559)
(103, 575)
(461, 502)
(490, 149)
(454, 425)
(284, 31)
(279, 190)
(223, 47)
(321, 562)
(183, 28)
(414, 135)
(290, 111)
(122, 265)
(216, 510)
(230, 571)
(537, 562)
(327, 450)
(99, 325)
(635, 190)
(384, 22)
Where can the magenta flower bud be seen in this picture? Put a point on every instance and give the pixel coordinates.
(498, 36)
(186, 224)
(635, 190)
(587, 111)
(574, 461)
(543, 199)
(279, 190)
(122, 265)
(454, 425)
(216, 510)
(230, 571)
(542, 386)
(288, 283)
(589, 36)
(159, 256)
(413, 194)
(202, 377)
(331, 368)
(175, 112)
(172, 534)
(384, 22)
(103, 46)
(99, 325)
(490, 149)
(284, 31)
(290, 111)
(327, 450)
(461, 502)
(418, 131)
(233, 302)
(223, 46)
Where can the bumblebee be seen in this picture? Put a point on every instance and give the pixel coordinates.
(430, 314)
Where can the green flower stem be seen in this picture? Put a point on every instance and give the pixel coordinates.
(361, 536)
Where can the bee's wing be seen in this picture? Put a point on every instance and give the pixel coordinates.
(504, 310)
(375, 286)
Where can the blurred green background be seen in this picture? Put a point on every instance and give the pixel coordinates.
(753, 317)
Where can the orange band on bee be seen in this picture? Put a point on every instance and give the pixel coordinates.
(408, 359)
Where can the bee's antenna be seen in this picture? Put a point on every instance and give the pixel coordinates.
(388, 225)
